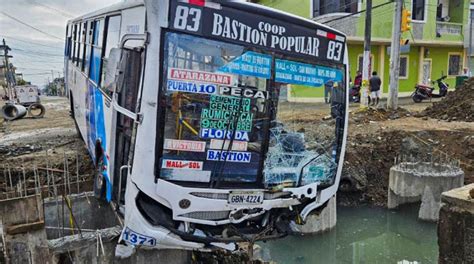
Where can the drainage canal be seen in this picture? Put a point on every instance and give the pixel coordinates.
(362, 235)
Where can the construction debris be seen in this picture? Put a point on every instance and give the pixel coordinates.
(458, 105)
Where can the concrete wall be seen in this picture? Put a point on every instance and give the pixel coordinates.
(88, 212)
(456, 226)
(21, 210)
(25, 239)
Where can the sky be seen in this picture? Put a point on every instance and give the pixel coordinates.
(36, 54)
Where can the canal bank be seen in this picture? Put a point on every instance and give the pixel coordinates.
(362, 235)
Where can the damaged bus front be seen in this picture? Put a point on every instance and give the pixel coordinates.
(239, 138)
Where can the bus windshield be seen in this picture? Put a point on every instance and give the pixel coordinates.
(232, 115)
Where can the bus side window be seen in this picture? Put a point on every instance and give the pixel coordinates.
(87, 50)
(112, 40)
(74, 44)
(82, 46)
(78, 43)
(96, 52)
(67, 47)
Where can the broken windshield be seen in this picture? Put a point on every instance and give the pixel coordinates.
(231, 117)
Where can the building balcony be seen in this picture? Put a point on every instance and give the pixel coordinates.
(448, 28)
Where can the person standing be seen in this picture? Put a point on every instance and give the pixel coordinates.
(358, 79)
(374, 84)
(327, 91)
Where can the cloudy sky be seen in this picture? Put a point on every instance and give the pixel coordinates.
(34, 53)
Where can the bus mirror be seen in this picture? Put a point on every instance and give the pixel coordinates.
(112, 69)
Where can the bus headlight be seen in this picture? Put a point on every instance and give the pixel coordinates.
(321, 169)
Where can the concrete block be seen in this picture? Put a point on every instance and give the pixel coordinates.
(318, 222)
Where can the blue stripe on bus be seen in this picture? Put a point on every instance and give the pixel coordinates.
(96, 129)
(95, 65)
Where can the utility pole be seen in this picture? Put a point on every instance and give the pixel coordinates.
(7, 73)
(392, 101)
(366, 60)
(471, 28)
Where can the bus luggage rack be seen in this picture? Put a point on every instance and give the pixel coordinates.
(225, 196)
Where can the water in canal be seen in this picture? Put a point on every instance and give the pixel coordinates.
(362, 235)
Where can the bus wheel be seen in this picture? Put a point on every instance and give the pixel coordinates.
(99, 181)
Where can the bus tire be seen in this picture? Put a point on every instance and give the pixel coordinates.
(99, 181)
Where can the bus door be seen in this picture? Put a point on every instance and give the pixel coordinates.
(125, 102)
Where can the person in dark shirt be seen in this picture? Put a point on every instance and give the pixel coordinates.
(374, 84)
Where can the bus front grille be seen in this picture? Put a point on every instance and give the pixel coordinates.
(208, 195)
(208, 215)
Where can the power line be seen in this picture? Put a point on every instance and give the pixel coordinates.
(30, 26)
(36, 69)
(38, 53)
(61, 12)
(362, 11)
(29, 42)
(43, 73)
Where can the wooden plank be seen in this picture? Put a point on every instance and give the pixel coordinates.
(24, 228)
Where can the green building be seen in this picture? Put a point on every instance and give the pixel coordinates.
(437, 40)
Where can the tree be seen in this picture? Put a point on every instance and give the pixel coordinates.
(21, 82)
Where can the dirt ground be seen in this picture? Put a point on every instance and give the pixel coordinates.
(46, 143)
(439, 130)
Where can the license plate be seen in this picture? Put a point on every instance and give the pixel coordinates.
(245, 198)
(135, 238)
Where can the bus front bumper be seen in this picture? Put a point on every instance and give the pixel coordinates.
(201, 206)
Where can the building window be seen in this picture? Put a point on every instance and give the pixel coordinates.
(454, 64)
(323, 7)
(403, 74)
(418, 10)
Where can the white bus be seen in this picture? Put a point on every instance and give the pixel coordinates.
(193, 112)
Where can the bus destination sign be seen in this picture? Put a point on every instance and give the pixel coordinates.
(245, 28)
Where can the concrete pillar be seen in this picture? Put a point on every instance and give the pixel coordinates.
(381, 69)
(320, 222)
(456, 226)
(422, 181)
